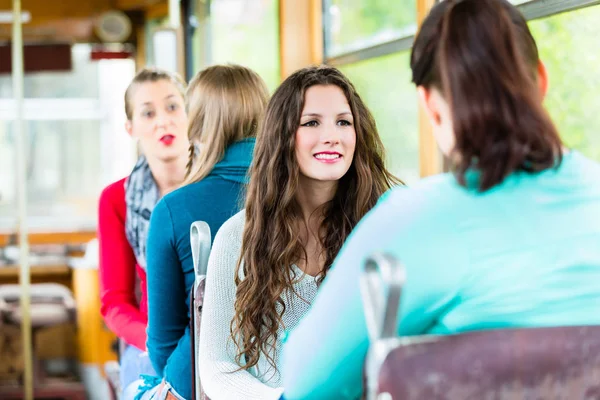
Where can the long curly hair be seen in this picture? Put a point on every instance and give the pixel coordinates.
(271, 244)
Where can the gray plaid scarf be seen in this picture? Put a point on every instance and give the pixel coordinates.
(141, 195)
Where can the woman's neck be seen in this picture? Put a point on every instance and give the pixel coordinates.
(168, 175)
(311, 196)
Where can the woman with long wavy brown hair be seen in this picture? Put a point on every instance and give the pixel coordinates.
(318, 169)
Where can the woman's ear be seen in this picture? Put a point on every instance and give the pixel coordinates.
(542, 78)
(129, 128)
(429, 105)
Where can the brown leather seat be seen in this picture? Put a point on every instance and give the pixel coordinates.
(51, 304)
(530, 363)
(537, 363)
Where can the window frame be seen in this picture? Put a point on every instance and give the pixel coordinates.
(431, 161)
(534, 9)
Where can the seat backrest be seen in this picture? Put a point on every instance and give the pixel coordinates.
(50, 303)
(534, 363)
(200, 240)
(529, 363)
(40, 293)
(381, 288)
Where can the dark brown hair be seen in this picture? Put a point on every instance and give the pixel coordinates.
(270, 243)
(482, 57)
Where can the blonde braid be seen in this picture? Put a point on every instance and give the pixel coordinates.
(190, 163)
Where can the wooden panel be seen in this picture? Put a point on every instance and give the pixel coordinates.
(316, 30)
(60, 30)
(430, 158)
(158, 10)
(71, 20)
(56, 274)
(56, 342)
(38, 238)
(38, 57)
(46, 271)
(93, 339)
(135, 4)
(140, 48)
(44, 10)
(423, 7)
(301, 34)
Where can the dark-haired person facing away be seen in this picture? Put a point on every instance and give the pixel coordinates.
(509, 239)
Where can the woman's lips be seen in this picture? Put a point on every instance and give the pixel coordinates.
(328, 157)
(167, 140)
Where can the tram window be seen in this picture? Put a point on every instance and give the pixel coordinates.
(63, 169)
(76, 140)
(356, 24)
(385, 85)
(80, 82)
(246, 32)
(569, 47)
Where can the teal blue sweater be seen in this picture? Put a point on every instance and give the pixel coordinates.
(170, 268)
(523, 254)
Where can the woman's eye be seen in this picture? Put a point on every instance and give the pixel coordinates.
(173, 107)
(310, 123)
(344, 122)
(148, 114)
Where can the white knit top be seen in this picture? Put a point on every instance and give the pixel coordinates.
(217, 350)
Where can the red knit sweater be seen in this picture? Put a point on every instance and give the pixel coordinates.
(118, 269)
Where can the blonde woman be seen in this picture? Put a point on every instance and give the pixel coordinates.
(156, 118)
(225, 104)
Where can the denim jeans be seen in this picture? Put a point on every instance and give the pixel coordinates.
(134, 363)
(158, 392)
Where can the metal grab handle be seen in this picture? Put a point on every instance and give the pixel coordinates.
(200, 242)
(381, 287)
(200, 239)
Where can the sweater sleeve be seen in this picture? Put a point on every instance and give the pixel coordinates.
(117, 270)
(167, 303)
(219, 373)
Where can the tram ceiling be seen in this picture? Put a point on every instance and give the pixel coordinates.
(71, 20)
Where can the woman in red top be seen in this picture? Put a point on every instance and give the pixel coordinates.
(156, 118)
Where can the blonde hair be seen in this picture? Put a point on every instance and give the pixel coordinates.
(151, 75)
(225, 104)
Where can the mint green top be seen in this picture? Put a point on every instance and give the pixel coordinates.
(523, 254)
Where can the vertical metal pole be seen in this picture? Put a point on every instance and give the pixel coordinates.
(205, 23)
(24, 278)
(175, 13)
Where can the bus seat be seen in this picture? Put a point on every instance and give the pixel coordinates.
(51, 304)
(200, 240)
(529, 363)
(535, 363)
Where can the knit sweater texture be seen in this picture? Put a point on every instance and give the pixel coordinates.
(219, 372)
